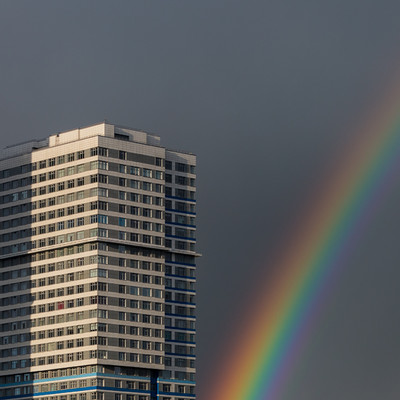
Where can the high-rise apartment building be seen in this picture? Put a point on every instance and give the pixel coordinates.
(97, 266)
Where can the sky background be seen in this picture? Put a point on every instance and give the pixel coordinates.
(268, 94)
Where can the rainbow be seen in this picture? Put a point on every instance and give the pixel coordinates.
(283, 316)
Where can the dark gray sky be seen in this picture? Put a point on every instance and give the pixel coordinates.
(266, 93)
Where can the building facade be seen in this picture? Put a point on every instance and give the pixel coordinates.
(97, 265)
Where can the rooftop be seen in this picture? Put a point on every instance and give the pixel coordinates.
(101, 129)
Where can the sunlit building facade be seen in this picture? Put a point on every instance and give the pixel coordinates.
(97, 265)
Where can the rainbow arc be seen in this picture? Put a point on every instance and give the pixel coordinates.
(279, 325)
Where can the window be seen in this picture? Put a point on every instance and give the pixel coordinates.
(79, 302)
(70, 210)
(122, 182)
(103, 219)
(147, 199)
(103, 165)
(103, 178)
(147, 239)
(60, 199)
(147, 186)
(147, 172)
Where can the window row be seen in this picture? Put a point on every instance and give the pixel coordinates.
(60, 173)
(180, 180)
(101, 327)
(16, 196)
(183, 208)
(179, 297)
(80, 221)
(124, 248)
(54, 373)
(57, 279)
(180, 362)
(69, 184)
(179, 245)
(168, 387)
(49, 294)
(179, 311)
(180, 271)
(41, 269)
(93, 233)
(176, 323)
(180, 193)
(17, 183)
(142, 158)
(179, 349)
(87, 341)
(137, 171)
(9, 393)
(81, 154)
(180, 337)
(98, 286)
(53, 174)
(82, 355)
(51, 162)
(179, 284)
(78, 316)
(180, 232)
(61, 199)
(183, 259)
(96, 178)
(181, 167)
